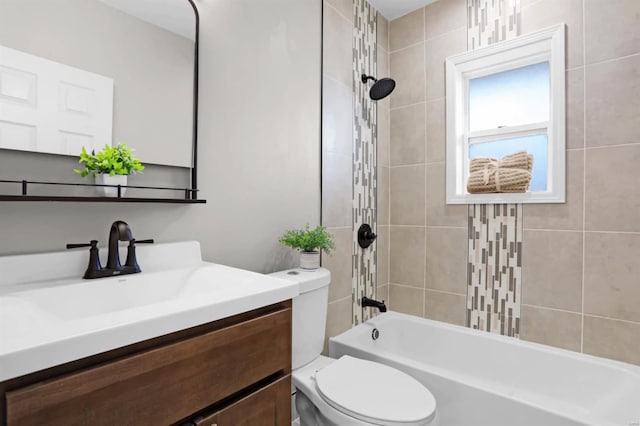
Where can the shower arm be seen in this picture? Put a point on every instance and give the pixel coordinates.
(364, 78)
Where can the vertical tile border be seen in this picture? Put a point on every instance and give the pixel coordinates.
(364, 155)
(494, 269)
(494, 274)
(490, 21)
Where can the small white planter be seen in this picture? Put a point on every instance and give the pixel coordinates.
(110, 180)
(309, 259)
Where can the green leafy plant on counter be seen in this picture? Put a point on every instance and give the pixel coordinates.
(117, 160)
(308, 240)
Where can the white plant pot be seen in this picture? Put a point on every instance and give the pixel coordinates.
(104, 191)
(309, 259)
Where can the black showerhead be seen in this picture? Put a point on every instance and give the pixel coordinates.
(381, 88)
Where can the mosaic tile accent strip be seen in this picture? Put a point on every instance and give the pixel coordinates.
(494, 275)
(364, 156)
(494, 270)
(490, 21)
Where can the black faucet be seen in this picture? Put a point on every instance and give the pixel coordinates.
(374, 303)
(120, 231)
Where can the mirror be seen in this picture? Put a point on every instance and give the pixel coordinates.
(77, 73)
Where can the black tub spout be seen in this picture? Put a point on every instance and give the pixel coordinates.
(374, 303)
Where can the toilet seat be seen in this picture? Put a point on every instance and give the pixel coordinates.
(375, 393)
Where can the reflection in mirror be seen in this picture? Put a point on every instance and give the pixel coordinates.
(87, 73)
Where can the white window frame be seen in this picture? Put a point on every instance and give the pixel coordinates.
(544, 45)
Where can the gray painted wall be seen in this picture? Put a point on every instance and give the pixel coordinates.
(259, 147)
(152, 68)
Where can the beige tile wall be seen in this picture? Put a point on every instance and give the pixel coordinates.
(581, 274)
(428, 239)
(384, 163)
(337, 157)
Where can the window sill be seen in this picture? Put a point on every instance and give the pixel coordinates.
(507, 198)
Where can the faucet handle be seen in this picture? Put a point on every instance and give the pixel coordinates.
(134, 241)
(92, 244)
(132, 262)
(94, 268)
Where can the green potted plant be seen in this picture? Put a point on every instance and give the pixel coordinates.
(309, 242)
(111, 166)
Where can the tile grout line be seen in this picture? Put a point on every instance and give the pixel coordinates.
(399, 166)
(406, 106)
(613, 319)
(453, 293)
(432, 100)
(435, 163)
(425, 141)
(394, 225)
(574, 68)
(619, 145)
(463, 27)
(409, 46)
(388, 207)
(577, 231)
(585, 231)
(467, 311)
(617, 58)
(326, 3)
(547, 308)
(433, 290)
(342, 299)
(584, 171)
(408, 286)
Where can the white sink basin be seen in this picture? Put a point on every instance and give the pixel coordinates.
(86, 299)
(47, 323)
(19, 317)
(90, 298)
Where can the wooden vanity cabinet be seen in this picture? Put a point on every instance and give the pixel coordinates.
(235, 371)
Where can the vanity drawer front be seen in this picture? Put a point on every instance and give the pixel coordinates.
(269, 406)
(163, 385)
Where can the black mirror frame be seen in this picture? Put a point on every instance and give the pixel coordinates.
(190, 193)
(194, 165)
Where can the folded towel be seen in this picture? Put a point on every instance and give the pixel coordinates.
(510, 174)
(519, 160)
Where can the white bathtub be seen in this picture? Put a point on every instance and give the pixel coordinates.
(483, 379)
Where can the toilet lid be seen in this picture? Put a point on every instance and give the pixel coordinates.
(375, 393)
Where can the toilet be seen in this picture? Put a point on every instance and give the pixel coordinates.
(347, 391)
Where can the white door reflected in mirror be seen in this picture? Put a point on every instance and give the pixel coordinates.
(50, 107)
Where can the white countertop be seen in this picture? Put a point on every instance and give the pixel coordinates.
(48, 323)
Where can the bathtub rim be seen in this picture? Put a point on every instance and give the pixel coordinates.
(625, 366)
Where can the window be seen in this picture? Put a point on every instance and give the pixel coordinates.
(506, 98)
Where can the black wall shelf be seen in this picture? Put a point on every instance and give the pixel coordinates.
(190, 195)
(79, 199)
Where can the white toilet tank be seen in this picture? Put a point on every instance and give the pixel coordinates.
(309, 312)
